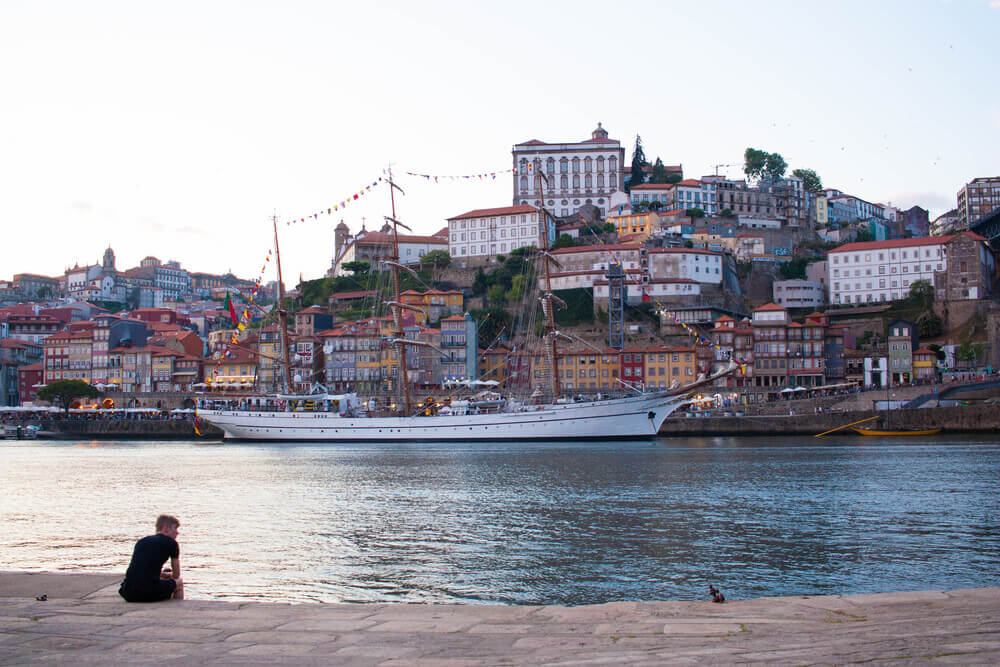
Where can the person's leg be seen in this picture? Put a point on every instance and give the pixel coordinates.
(179, 590)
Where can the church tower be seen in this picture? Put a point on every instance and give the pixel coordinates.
(109, 261)
(340, 236)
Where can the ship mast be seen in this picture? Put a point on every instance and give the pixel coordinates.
(286, 375)
(551, 333)
(395, 306)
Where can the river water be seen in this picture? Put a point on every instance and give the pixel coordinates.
(547, 523)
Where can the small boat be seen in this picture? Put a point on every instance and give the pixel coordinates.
(878, 432)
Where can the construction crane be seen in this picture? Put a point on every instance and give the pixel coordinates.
(723, 165)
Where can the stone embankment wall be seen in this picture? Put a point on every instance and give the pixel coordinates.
(173, 429)
(970, 419)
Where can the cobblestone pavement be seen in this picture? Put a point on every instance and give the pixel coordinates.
(85, 622)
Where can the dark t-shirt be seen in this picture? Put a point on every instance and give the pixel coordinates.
(148, 557)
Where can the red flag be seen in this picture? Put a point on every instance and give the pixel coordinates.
(232, 309)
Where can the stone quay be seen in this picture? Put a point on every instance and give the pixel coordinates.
(84, 621)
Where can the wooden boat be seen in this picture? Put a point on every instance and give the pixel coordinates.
(879, 432)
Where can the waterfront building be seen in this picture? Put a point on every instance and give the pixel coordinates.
(352, 352)
(269, 369)
(454, 343)
(30, 379)
(946, 223)
(15, 355)
(902, 341)
(633, 367)
(977, 199)
(493, 364)
(666, 367)
(806, 353)
(30, 328)
(925, 365)
(237, 368)
(797, 293)
(770, 355)
(578, 173)
(734, 339)
(478, 236)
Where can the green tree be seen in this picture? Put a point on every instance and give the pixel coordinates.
(970, 353)
(794, 269)
(659, 173)
(941, 356)
(564, 241)
(727, 213)
(922, 293)
(689, 243)
(929, 325)
(493, 322)
(694, 213)
(638, 162)
(356, 267)
(496, 295)
(655, 205)
(863, 236)
(480, 282)
(437, 258)
(517, 288)
(776, 166)
(810, 180)
(754, 163)
(674, 177)
(66, 391)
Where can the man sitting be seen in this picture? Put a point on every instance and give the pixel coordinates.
(144, 582)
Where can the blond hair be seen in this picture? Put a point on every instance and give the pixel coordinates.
(165, 520)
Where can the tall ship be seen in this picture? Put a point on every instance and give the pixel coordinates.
(482, 414)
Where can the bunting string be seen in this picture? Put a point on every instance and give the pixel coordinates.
(437, 178)
(339, 206)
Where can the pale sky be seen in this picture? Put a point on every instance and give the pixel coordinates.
(177, 129)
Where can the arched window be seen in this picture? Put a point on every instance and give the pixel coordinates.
(538, 165)
(563, 166)
(524, 182)
(576, 181)
(588, 164)
(523, 166)
(550, 166)
(600, 180)
(587, 181)
(563, 182)
(576, 165)
(612, 164)
(600, 164)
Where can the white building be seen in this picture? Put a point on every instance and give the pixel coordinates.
(586, 172)
(483, 234)
(654, 289)
(585, 266)
(879, 271)
(799, 293)
(373, 247)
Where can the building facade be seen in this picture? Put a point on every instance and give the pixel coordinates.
(580, 173)
(478, 236)
(977, 199)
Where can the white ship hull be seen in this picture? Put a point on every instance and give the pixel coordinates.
(634, 417)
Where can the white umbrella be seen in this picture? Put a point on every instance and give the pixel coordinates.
(786, 390)
(801, 389)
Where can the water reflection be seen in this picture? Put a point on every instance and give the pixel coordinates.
(542, 523)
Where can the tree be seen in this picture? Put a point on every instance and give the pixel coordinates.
(922, 293)
(496, 294)
(810, 180)
(694, 213)
(929, 325)
(727, 213)
(689, 243)
(674, 177)
(65, 391)
(754, 163)
(517, 288)
(970, 353)
(638, 162)
(776, 166)
(357, 267)
(659, 173)
(655, 205)
(493, 323)
(479, 283)
(437, 258)
(863, 236)
(934, 347)
(564, 241)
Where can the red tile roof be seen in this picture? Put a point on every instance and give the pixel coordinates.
(653, 186)
(904, 243)
(385, 238)
(690, 181)
(770, 306)
(506, 210)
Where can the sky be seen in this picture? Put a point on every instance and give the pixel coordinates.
(179, 129)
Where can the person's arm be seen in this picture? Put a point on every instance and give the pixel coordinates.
(175, 568)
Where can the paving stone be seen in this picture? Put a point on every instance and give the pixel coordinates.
(319, 624)
(437, 626)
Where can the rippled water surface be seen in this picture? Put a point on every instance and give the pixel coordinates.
(524, 523)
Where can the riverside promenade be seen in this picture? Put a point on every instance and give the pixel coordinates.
(85, 622)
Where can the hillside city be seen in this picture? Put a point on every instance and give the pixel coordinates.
(663, 276)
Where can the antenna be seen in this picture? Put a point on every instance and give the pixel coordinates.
(723, 165)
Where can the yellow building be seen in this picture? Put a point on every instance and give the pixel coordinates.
(434, 304)
(237, 371)
(822, 214)
(636, 223)
(493, 364)
(588, 370)
(665, 365)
